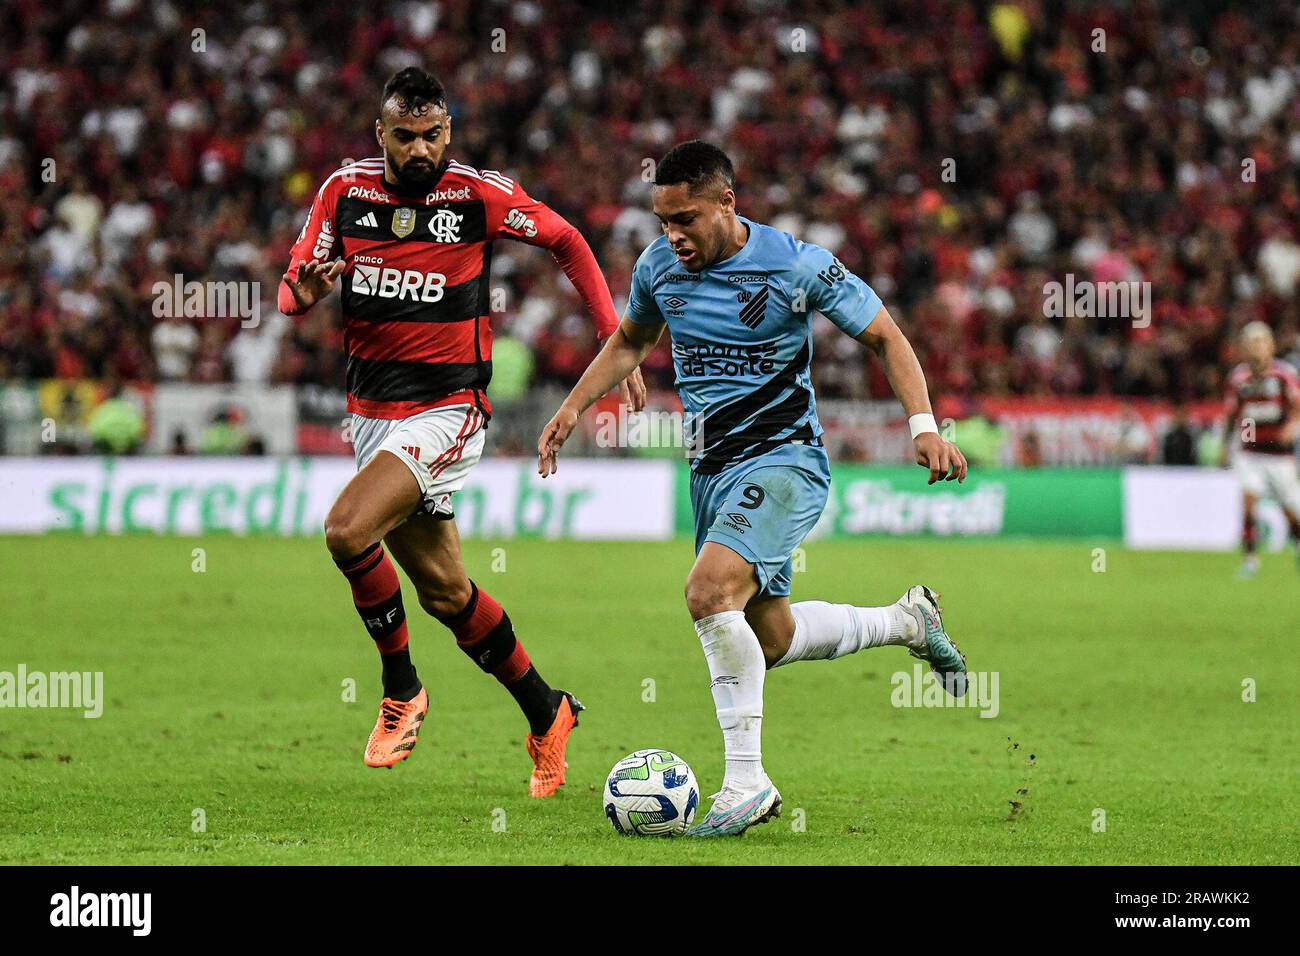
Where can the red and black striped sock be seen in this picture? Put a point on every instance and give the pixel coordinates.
(484, 632)
(378, 596)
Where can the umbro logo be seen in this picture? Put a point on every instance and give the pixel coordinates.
(674, 302)
(368, 220)
(737, 518)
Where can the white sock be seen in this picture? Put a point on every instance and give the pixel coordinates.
(737, 668)
(824, 631)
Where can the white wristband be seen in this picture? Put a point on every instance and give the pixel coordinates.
(921, 423)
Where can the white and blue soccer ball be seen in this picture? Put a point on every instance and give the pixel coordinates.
(651, 793)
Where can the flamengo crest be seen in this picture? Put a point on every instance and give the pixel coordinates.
(445, 225)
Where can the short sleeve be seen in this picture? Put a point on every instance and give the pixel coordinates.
(834, 291)
(641, 305)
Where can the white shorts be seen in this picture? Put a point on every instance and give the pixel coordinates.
(440, 447)
(1268, 476)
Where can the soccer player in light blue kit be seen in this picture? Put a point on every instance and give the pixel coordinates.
(738, 298)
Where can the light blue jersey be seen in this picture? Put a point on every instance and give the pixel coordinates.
(742, 337)
(742, 345)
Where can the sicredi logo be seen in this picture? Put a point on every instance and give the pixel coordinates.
(368, 192)
(324, 241)
(398, 283)
(447, 195)
(519, 222)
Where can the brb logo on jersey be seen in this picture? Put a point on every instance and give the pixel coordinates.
(445, 226)
(398, 283)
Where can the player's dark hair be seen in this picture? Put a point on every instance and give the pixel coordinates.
(702, 166)
(416, 90)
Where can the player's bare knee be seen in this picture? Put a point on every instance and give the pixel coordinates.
(345, 538)
(706, 596)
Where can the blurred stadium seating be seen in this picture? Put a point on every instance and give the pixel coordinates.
(142, 140)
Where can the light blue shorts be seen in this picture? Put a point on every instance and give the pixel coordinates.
(763, 508)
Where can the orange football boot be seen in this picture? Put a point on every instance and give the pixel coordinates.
(396, 730)
(548, 750)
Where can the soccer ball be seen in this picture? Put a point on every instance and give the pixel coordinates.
(651, 793)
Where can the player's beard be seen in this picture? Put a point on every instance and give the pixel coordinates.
(416, 176)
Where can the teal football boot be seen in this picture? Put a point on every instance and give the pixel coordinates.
(932, 643)
(734, 812)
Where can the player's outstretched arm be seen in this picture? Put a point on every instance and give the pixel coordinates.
(623, 352)
(886, 339)
(578, 262)
(537, 224)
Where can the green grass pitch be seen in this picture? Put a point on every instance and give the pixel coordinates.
(1120, 692)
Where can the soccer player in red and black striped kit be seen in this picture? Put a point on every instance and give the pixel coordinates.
(1259, 437)
(408, 237)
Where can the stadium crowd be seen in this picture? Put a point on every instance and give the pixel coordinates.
(957, 155)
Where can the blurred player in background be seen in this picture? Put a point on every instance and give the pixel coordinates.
(409, 234)
(738, 298)
(1263, 419)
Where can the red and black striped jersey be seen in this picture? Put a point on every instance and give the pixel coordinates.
(1267, 402)
(415, 288)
